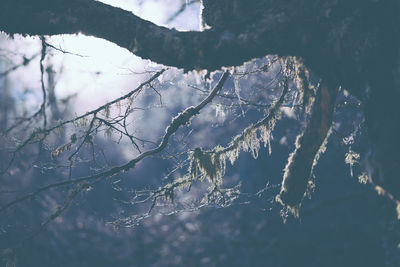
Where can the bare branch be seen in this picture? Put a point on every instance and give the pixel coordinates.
(43, 106)
(43, 133)
(178, 121)
(25, 62)
(183, 7)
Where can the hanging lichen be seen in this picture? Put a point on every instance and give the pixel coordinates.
(352, 158)
(382, 192)
(298, 177)
(306, 89)
(211, 164)
(208, 165)
(363, 178)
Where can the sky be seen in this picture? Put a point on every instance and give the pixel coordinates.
(99, 70)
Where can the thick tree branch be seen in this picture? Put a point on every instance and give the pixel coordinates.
(188, 50)
(339, 40)
(309, 146)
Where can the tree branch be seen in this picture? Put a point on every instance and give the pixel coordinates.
(188, 50)
(181, 119)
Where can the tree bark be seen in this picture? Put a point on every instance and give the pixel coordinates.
(188, 50)
(353, 43)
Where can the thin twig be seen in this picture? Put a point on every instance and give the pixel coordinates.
(46, 132)
(25, 62)
(43, 106)
(182, 119)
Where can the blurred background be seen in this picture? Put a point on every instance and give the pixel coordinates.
(118, 220)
